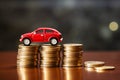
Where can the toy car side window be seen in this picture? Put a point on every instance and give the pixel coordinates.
(39, 31)
(49, 31)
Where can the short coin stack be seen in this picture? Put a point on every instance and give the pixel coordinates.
(72, 55)
(27, 56)
(49, 55)
(98, 66)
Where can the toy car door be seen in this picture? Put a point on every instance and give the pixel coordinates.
(48, 34)
(38, 36)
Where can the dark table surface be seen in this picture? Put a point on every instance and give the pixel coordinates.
(8, 70)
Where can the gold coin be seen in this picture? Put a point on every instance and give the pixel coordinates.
(50, 55)
(72, 54)
(32, 64)
(27, 57)
(72, 61)
(49, 65)
(26, 63)
(49, 52)
(93, 63)
(72, 44)
(49, 61)
(27, 50)
(27, 53)
(48, 47)
(72, 49)
(105, 68)
(70, 65)
(71, 58)
(31, 46)
(50, 58)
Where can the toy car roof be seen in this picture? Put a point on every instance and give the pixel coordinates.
(46, 28)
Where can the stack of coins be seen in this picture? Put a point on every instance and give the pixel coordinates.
(72, 55)
(49, 55)
(27, 56)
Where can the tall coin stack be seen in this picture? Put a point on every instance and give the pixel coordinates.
(27, 56)
(49, 55)
(72, 55)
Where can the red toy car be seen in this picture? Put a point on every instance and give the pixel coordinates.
(42, 35)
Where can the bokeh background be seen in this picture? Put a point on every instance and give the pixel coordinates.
(94, 23)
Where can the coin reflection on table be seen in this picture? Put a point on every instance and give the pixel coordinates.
(89, 69)
(27, 73)
(50, 73)
(72, 73)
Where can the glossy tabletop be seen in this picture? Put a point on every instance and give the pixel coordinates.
(9, 71)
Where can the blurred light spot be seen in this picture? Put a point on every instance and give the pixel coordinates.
(113, 26)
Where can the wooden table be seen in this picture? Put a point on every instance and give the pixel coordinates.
(8, 70)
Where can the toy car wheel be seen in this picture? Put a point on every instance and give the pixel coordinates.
(53, 41)
(26, 42)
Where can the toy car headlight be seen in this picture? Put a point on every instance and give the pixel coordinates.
(21, 36)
